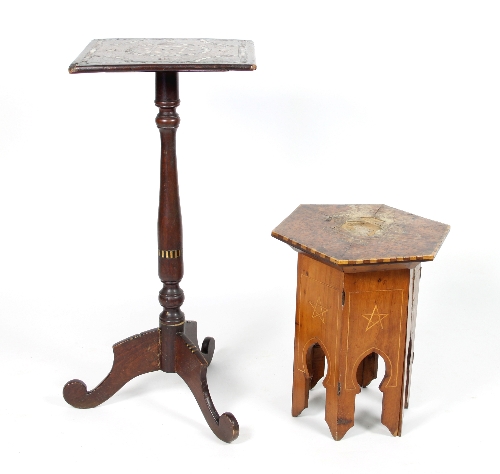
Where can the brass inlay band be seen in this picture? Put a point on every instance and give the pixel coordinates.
(169, 253)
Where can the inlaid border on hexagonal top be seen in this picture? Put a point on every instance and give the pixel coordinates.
(357, 234)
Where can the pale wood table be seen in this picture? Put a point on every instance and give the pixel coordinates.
(357, 286)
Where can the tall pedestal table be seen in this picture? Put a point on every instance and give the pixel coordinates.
(357, 287)
(173, 346)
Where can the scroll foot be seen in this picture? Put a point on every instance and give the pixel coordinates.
(134, 356)
(207, 348)
(191, 366)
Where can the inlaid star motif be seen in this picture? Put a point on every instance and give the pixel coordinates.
(318, 309)
(374, 318)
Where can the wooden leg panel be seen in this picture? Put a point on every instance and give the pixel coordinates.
(367, 370)
(339, 413)
(412, 311)
(133, 356)
(191, 366)
(315, 364)
(300, 391)
(392, 413)
(207, 347)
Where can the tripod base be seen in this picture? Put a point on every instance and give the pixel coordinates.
(141, 354)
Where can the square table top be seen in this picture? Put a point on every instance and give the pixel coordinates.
(165, 54)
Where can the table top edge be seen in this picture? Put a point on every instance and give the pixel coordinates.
(76, 68)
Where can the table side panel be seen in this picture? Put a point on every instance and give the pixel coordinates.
(319, 309)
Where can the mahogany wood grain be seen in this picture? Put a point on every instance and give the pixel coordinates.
(173, 347)
(134, 356)
(192, 367)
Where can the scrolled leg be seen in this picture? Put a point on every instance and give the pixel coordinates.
(207, 347)
(133, 356)
(191, 366)
(191, 331)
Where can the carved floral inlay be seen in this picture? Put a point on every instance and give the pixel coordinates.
(167, 51)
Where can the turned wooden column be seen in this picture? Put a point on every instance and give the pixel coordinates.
(170, 264)
(173, 346)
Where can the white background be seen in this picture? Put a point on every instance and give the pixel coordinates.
(352, 102)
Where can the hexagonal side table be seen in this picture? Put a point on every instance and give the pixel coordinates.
(357, 286)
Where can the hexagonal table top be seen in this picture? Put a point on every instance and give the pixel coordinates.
(354, 234)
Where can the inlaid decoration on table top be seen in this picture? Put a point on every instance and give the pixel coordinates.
(355, 234)
(165, 54)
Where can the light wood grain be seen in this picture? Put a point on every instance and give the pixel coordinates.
(352, 318)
